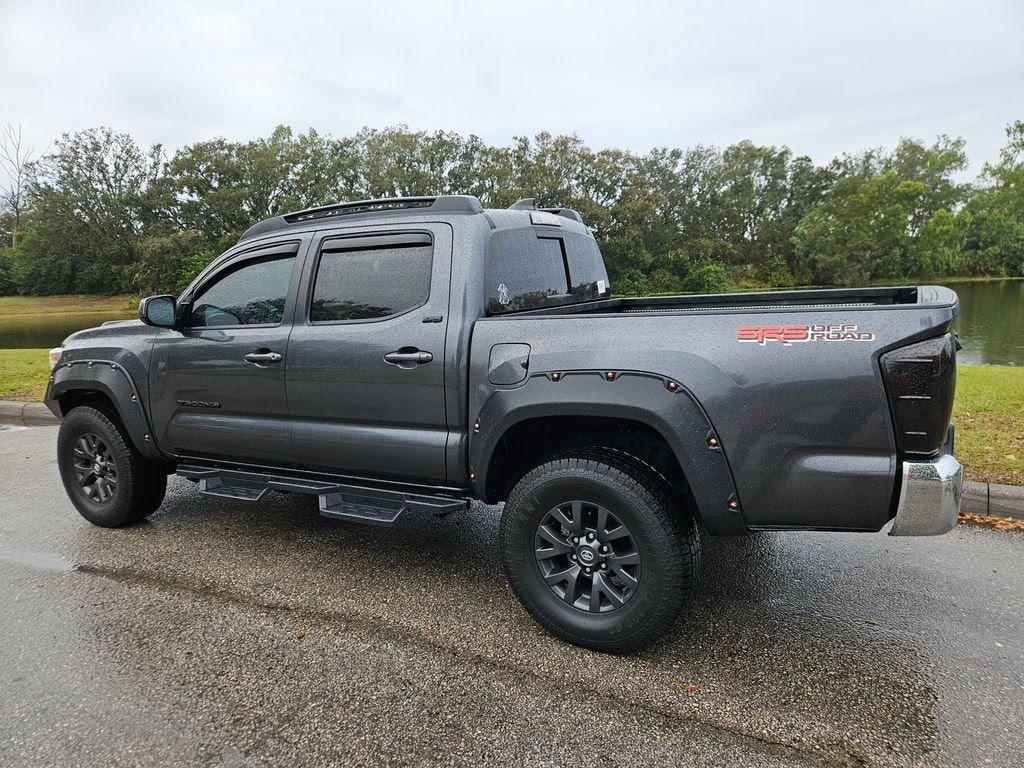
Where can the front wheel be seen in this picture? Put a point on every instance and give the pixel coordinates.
(110, 483)
(598, 549)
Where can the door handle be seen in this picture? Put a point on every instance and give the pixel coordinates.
(263, 357)
(408, 357)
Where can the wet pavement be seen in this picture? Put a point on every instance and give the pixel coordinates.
(225, 633)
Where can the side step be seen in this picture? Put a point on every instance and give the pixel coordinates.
(343, 501)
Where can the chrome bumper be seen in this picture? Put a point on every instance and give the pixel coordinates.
(929, 497)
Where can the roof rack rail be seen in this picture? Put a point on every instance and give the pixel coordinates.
(387, 205)
(530, 204)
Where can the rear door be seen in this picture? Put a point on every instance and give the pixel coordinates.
(217, 387)
(365, 364)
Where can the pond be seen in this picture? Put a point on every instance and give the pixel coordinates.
(49, 330)
(991, 323)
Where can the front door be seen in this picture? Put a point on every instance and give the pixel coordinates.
(217, 386)
(366, 362)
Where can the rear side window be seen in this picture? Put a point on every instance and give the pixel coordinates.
(250, 293)
(371, 278)
(525, 271)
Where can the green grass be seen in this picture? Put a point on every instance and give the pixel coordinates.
(23, 374)
(48, 305)
(989, 411)
(989, 415)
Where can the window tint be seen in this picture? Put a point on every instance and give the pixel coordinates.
(253, 293)
(371, 283)
(524, 271)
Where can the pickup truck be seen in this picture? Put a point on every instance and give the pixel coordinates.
(411, 355)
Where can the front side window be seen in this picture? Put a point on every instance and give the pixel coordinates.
(373, 282)
(252, 293)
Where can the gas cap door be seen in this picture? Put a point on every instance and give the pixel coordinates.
(509, 364)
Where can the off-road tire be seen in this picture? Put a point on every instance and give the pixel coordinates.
(140, 482)
(665, 534)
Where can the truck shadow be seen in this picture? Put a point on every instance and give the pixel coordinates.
(798, 634)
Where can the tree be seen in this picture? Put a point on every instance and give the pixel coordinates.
(15, 159)
(885, 216)
(167, 263)
(87, 214)
(395, 162)
(101, 214)
(995, 236)
(859, 232)
(221, 188)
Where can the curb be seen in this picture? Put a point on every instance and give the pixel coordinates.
(993, 499)
(26, 414)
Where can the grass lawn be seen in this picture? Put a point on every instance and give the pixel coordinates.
(49, 305)
(989, 415)
(23, 373)
(989, 411)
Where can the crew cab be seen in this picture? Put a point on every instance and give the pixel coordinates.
(411, 355)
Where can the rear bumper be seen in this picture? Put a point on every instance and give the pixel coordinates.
(929, 497)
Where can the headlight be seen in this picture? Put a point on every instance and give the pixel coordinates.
(55, 354)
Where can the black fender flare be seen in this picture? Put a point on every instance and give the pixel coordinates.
(116, 383)
(657, 401)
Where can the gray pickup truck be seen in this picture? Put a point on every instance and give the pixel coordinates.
(414, 354)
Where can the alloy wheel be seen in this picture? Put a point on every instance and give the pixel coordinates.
(95, 468)
(587, 557)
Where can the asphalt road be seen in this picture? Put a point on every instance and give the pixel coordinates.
(225, 633)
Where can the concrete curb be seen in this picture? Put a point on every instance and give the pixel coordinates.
(993, 499)
(26, 414)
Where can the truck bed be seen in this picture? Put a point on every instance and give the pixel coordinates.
(806, 427)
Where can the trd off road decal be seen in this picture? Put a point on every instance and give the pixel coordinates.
(797, 334)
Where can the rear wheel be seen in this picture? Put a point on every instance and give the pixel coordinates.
(599, 550)
(110, 483)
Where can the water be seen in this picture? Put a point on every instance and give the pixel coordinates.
(49, 330)
(991, 323)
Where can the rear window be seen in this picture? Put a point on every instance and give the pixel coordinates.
(529, 267)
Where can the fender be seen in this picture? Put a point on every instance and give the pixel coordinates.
(657, 401)
(116, 383)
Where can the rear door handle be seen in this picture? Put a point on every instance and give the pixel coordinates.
(408, 358)
(263, 357)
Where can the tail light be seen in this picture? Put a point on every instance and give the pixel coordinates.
(920, 380)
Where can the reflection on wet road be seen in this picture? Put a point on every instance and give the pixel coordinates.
(222, 633)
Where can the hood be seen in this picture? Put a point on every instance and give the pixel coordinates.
(109, 330)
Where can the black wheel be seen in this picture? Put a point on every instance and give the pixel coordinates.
(108, 480)
(599, 549)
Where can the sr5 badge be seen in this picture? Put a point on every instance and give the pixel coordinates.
(798, 334)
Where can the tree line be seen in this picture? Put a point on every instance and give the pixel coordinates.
(98, 213)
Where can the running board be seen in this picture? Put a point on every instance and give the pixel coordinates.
(343, 501)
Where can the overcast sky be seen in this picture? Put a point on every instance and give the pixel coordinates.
(822, 77)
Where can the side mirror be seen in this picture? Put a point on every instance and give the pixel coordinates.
(159, 311)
